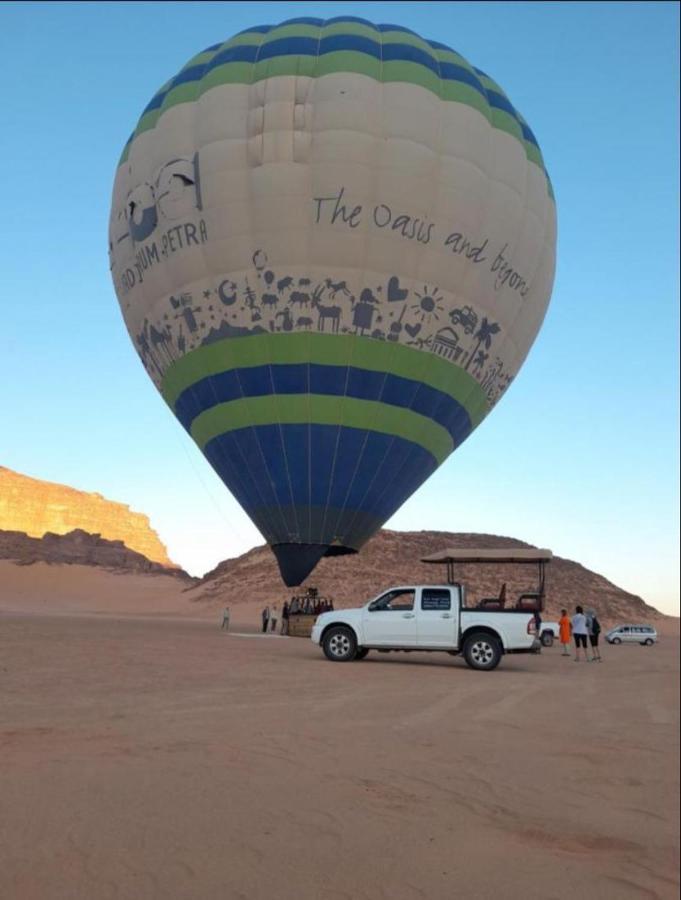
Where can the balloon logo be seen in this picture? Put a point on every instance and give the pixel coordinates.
(333, 244)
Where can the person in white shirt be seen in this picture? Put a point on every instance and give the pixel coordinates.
(274, 615)
(579, 632)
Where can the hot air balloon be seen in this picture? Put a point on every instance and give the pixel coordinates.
(333, 244)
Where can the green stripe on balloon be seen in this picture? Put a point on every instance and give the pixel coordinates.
(394, 71)
(321, 409)
(330, 350)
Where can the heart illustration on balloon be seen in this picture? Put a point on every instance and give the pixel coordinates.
(395, 293)
(412, 330)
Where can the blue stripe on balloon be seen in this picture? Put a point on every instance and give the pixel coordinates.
(452, 72)
(497, 100)
(258, 29)
(356, 19)
(408, 53)
(240, 53)
(306, 46)
(271, 466)
(528, 134)
(436, 45)
(193, 73)
(386, 26)
(290, 46)
(156, 101)
(337, 42)
(302, 20)
(337, 381)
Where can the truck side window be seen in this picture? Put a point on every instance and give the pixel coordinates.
(394, 600)
(436, 599)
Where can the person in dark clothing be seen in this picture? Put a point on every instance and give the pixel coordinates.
(284, 618)
(593, 627)
(265, 619)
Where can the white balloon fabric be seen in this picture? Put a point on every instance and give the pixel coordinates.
(333, 244)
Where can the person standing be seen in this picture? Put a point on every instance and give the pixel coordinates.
(265, 619)
(274, 615)
(580, 632)
(564, 629)
(594, 628)
(225, 619)
(284, 618)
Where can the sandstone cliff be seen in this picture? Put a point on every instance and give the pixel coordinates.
(392, 558)
(81, 549)
(37, 507)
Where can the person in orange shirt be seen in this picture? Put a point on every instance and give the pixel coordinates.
(565, 629)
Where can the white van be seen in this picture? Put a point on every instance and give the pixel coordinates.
(632, 634)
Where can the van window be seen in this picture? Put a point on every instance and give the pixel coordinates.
(436, 599)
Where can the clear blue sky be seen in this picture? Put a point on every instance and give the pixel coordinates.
(582, 453)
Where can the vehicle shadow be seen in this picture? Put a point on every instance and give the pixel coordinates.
(431, 661)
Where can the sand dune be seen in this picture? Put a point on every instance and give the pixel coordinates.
(167, 759)
(42, 587)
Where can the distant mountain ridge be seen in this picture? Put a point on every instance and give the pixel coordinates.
(393, 558)
(80, 548)
(113, 537)
(36, 507)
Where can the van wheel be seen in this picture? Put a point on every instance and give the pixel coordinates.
(547, 639)
(361, 653)
(648, 642)
(617, 640)
(482, 651)
(339, 644)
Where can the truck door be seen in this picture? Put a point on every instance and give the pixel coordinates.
(390, 620)
(437, 619)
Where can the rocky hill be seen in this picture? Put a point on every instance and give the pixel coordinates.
(80, 548)
(37, 507)
(393, 557)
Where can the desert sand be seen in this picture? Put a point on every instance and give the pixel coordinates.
(155, 756)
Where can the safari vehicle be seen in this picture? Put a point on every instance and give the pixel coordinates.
(436, 617)
(632, 634)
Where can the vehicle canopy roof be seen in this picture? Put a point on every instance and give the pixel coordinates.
(505, 555)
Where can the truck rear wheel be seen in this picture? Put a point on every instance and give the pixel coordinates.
(547, 639)
(339, 644)
(482, 651)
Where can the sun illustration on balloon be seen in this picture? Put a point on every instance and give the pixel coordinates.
(428, 306)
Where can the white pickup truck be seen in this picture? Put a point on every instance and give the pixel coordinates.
(426, 617)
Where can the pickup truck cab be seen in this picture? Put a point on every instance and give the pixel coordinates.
(430, 618)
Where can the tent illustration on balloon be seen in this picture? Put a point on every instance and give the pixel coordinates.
(333, 244)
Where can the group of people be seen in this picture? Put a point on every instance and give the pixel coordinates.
(299, 606)
(585, 629)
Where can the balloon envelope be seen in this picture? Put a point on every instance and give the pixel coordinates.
(333, 244)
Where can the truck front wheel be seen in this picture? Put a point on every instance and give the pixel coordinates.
(482, 651)
(339, 644)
